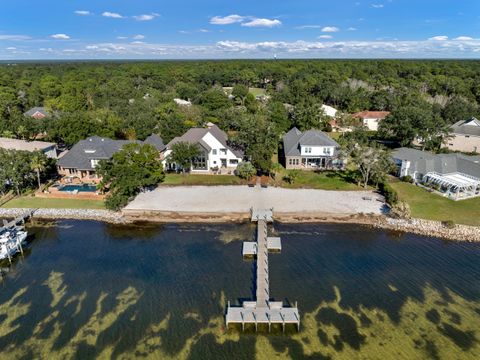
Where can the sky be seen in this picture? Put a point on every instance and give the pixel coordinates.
(217, 29)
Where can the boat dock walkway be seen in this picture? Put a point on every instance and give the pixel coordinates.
(7, 225)
(262, 310)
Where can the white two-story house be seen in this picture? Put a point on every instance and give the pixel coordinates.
(214, 152)
(311, 150)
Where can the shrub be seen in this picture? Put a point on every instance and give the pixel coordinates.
(291, 176)
(407, 179)
(391, 196)
(449, 224)
(246, 170)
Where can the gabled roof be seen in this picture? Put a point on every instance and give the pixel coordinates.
(80, 156)
(295, 138)
(371, 114)
(156, 141)
(467, 127)
(38, 109)
(195, 136)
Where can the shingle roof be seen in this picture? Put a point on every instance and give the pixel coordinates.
(195, 136)
(424, 162)
(80, 156)
(371, 114)
(295, 138)
(156, 141)
(39, 109)
(467, 127)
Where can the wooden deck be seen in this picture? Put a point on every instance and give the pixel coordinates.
(18, 220)
(262, 310)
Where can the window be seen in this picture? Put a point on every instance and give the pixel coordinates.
(308, 150)
(214, 151)
(326, 151)
(297, 161)
(233, 161)
(200, 162)
(223, 151)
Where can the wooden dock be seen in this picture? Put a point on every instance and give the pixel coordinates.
(20, 220)
(262, 310)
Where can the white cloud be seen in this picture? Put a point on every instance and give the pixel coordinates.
(10, 48)
(325, 36)
(204, 31)
(439, 38)
(263, 23)
(463, 38)
(60, 36)
(83, 12)
(352, 29)
(113, 15)
(14, 37)
(309, 27)
(146, 17)
(122, 37)
(226, 20)
(377, 6)
(330, 29)
(139, 37)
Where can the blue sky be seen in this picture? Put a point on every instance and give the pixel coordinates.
(147, 29)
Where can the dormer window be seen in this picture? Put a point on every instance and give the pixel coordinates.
(308, 150)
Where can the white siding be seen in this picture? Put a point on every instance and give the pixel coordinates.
(371, 123)
(317, 150)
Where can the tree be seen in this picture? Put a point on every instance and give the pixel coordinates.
(240, 93)
(372, 162)
(183, 154)
(132, 169)
(308, 114)
(246, 170)
(38, 163)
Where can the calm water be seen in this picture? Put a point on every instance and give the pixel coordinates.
(90, 290)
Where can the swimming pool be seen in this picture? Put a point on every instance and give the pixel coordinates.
(79, 188)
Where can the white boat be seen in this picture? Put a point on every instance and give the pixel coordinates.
(11, 242)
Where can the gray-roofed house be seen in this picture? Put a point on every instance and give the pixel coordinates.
(310, 150)
(81, 160)
(457, 175)
(37, 113)
(215, 152)
(465, 136)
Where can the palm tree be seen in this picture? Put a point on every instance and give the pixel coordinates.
(38, 164)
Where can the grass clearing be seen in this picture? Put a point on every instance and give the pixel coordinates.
(43, 203)
(199, 179)
(430, 206)
(326, 180)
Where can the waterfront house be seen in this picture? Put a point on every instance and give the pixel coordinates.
(215, 154)
(310, 150)
(81, 160)
(465, 136)
(371, 119)
(49, 149)
(37, 113)
(455, 175)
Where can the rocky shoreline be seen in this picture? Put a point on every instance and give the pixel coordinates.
(75, 214)
(416, 226)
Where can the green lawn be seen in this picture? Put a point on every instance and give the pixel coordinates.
(431, 206)
(196, 179)
(329, 180)
(256, 91)
(37, 203)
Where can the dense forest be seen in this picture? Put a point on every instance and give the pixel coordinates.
(134, 99)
